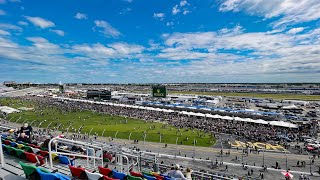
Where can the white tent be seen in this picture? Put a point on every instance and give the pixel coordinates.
(283, 124)
(8, 110)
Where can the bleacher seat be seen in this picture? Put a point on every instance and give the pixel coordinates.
(30, 170)
(118, 175)
(20, 146)
(19, 153)
(130, 177)
(65, 160)
(7, 142)
(34, 158)
(149, 177)
(13, 144)
(104, 171)
(78, 172)
(93, 176)
(27, 149)
(51, 176)
(136, 174)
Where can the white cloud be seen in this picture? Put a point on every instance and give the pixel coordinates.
(159, 16)
(295, 30)
(41, 22)
(23, 23)
(185, 12)
(2, 12)
(59, 32)
(287, 11)
(175, 10)
(81, 16)
(3, 32)
(10, 27)
(105, 28)
(169, 23)
(183, 3)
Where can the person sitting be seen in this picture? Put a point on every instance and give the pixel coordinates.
(176, 173)
(24, 138)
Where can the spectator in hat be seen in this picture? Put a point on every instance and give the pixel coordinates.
(176, 173)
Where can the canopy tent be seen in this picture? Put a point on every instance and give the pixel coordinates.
(283, 124)
(259, 121)
(8, 110)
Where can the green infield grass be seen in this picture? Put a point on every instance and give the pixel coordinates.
(111, 125)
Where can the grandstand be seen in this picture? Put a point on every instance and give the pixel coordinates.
(70, 159)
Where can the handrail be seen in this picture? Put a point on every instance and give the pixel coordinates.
(1, 153)
(72, 154)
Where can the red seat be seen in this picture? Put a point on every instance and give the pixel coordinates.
(158, 176)
(108, 178)
(7, 142)
(136, 174)
(78, 172)
(44, 153)
(34, 158)
(104, 171)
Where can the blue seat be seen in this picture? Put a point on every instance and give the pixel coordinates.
(51, 176)
(65, 160)
(118, 175)
(4, 148)
(149, 177)
(19, 142)
(13, 144)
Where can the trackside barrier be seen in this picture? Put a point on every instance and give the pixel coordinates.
(200, 175)
(75, 143)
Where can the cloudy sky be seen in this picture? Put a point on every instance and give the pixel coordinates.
(138, 41)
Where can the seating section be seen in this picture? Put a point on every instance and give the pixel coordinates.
(51, 176)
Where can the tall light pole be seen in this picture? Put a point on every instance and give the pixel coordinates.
(59, 126)
(103, 132)
(24, 121)
(90, 132)
(49, 124)
(41, 123)
(32, 122)
(68, 128)
(130, 135)
(18, 119)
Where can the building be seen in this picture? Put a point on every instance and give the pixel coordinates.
(99, 94)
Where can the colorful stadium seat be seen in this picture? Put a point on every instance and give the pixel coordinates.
(136, 174)
(129, 177)
(30, 170)
(51, 176)
(93, 176)
(108, 178)
(65, 160)
(149, 177)
(104, 171)
(118, 175)
(78, 172)
(13, 144)
(20, 146)
(34, 158)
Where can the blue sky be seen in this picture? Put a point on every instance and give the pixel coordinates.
(139, 41)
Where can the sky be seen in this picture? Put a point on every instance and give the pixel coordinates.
(160, 41)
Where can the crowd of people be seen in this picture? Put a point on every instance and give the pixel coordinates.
(249, 131)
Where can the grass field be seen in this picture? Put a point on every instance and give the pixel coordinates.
(112, 124)
(254, 95)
